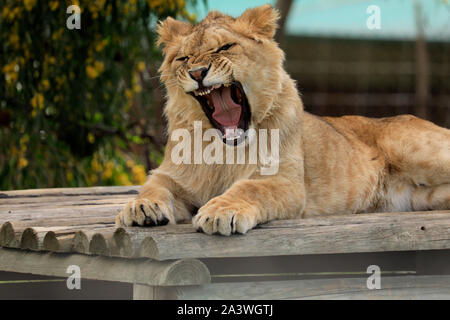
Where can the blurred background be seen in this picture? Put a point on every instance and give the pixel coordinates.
(84, 107)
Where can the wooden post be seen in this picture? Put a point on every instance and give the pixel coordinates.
(141, 271)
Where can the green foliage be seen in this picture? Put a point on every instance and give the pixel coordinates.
(72, 101)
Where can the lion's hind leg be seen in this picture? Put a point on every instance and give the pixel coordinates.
(431, 198)
(418, 163)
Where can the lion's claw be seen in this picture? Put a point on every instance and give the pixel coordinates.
(145, 213)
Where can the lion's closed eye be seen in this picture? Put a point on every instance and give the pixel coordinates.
(182, 58)
(225, 47)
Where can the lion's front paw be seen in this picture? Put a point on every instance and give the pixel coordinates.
(218, 216)
(145, 212)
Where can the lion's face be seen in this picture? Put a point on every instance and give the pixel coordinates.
(229, 66)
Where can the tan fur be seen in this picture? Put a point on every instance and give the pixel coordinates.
(327, 165)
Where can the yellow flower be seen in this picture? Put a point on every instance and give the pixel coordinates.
(99, 66)
(11, 77)
(23, 163)
(69, 176)
(27, 53)
(29, 4)
(137, 88)
(37, 101)
(24, 140)
(46, 84)
(91, 179)
(130, 163)
(180, 4)
(139, 174)
(53, 6)
(109, 164)
(96, 166)
(123, 179)
(57, 34)
(155, 3)
(128, 93)
(101, 45)
(93, 71)
(91, 138)
(10, 67)
(141, 66)
(11, 14)
(5, 12)
(60, 80)
(14, 40)
(107, 174)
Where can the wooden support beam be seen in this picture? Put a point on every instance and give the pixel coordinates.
(145, 292)
(141, 271)
(392, 288)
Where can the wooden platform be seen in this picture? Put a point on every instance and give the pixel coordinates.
(44, 230)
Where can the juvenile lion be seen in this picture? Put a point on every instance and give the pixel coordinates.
(228, 73)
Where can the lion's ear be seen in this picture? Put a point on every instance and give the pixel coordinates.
(170, 29)
(261, 21)
(213, 15)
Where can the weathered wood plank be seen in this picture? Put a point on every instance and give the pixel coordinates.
(21, 208)
(8, 204)
(63, 216)
(386, 232)
(141, 271)
(111, 191)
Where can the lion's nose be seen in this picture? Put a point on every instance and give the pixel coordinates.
(199, 74)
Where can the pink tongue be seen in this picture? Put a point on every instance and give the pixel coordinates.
(226, 111)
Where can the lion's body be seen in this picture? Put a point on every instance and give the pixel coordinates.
(327, 165)
(355, 164)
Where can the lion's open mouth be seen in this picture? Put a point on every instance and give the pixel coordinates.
(227, 108)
